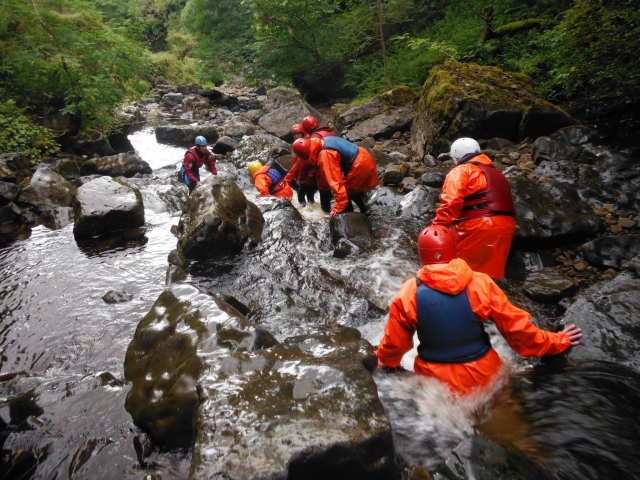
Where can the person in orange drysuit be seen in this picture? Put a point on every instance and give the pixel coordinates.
(447, 304)
(313, 129)
(349, 170)
(269, 182)
(476, 202)
(302, 172)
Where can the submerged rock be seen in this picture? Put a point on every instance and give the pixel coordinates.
(217, 221)
(117, 296)
(351, 226)
(105, 205)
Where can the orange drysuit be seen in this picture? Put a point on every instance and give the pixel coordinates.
(263, 183)
(363, 175)
(483, 242)
(487, 301)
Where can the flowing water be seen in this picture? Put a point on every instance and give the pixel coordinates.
(62, 347)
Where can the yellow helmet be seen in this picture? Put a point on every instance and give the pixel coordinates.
(254, 167)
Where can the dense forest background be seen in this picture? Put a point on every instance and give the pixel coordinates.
(87, 57)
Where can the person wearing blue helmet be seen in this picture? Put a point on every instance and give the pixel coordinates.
(194, 158)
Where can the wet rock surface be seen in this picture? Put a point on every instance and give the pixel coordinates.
(548, 285)
(104, 206)
(351, 226)
(279, 121)
(121, 165)
(611, 251)
(185, 135)
(46, 190)
(217, 220)
(14, 167)
(117, 296)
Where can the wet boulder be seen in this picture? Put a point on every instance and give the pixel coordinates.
(279, 121)
(121, 165)
(279, 97)
(469, 100)
(419, 203)
(548, 285)
(565, 144)
(433, 179)
(172, 100)
(46, 190)
(117, 296)
(176, 257)
(261, 147)
(68, 168)
(609, 315)
(14, 167)
(395, 173)
(235, 129)
(87, 142)
(307, 409)
(352, 226)
(378, 118)
(225, 145)
(195, 103)
(166, 358)
(185, 135)
(175, 274)
(551, 212)
(478, 457)
(217, 221)
(8, 192)
(611, 251)
(106, 205)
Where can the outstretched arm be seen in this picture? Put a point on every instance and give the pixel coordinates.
(401, 325)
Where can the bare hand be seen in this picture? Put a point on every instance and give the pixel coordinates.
(333, 214)
(574, 333)
(197, 184)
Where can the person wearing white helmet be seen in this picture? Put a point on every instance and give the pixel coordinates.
(194, 158)
(476, 203)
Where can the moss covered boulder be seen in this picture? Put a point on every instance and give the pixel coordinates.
(14, 167)
(121, 165)
(46, 190)
(217, 220)
(105, 205)
(469, 100)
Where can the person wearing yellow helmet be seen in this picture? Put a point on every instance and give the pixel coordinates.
(268, 181)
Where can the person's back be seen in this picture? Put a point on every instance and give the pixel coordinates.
(446, 304)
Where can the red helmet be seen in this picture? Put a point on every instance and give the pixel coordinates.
(436, 244)
(310, 123)
(301, 147)
(297, 128)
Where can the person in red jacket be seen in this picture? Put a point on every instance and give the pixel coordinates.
(313, 129)
(447, 304)
(349, 170)
(476, 203)
(269, 182)
(302, 172)
(193, 160)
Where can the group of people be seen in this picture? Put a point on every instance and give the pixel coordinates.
(461, 252)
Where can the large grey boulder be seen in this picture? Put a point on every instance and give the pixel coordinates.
(261, 147)
(551, 212)
(88, 142)
(237, 130)
(171, 100)
(121, 165)
(105, 205)
(279, 121)
(469, 100)
(217, 221)
(380, 117)
(225, 145)
(280, 96)
(609, 315)
(46, 190)
(185, 135)
(565, 144)
(611, 251)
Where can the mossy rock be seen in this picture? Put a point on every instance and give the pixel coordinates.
(466, 99)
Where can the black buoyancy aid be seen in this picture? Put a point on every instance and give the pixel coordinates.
(276, 180)
(348, 151)
(448, 330)
(494, 199)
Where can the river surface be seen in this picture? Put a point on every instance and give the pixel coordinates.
(62, 347)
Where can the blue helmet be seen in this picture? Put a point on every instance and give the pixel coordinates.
(201, 141)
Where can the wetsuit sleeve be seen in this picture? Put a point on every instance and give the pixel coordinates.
(488, 301)
(293, 173)
(401, 325)
(263, 182)
(187, 163)
(329, 164)
(212, 164)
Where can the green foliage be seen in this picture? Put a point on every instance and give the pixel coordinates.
(59, 52)
(20, 133)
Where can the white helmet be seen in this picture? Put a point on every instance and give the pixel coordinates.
(462, 147)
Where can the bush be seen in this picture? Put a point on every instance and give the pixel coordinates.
(20, 133)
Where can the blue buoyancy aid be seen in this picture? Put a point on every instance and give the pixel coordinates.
(276, 178)
(448, 330)
(348, 151)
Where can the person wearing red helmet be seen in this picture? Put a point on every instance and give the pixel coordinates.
(313, 129)
(447, 304)
(349, 169)
(302, 172)
(476, 202)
